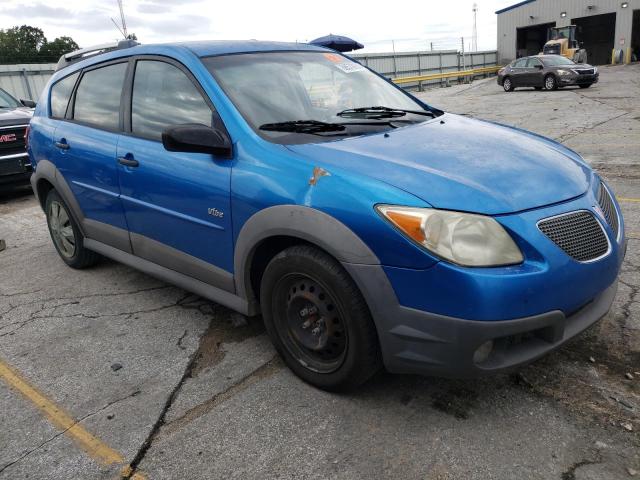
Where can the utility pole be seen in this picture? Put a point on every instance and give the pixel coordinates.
(124, 24)
(474, 36)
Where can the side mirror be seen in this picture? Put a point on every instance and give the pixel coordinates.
(196, 138)
(28, 103)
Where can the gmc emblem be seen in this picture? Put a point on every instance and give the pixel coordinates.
(8, 137)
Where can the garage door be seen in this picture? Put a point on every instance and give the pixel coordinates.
(597, 33)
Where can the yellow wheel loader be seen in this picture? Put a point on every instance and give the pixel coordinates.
(562, 41)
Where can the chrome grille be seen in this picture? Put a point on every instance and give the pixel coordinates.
(12, 140)
(579, 234)
(608, 208)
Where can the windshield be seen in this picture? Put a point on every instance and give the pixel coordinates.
(560, 33)
(556, 60)
(302, 97)
(7, 101)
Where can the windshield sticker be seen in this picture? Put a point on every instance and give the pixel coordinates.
(332, 57)
(350, 67)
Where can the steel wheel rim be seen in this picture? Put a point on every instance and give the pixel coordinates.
(310, 323)
(61, 229)
(549, 83)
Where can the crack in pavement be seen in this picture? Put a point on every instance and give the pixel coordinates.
(142, 451)
(91, 295)
(570, 473)
(62, 432)
(35, 315)
(191, 370)
(580, 130)
(266, 370)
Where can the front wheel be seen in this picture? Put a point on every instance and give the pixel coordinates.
(507, 84)
(318, 320)
(550, 82)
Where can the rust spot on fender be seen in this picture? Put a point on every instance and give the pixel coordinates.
(317, 173)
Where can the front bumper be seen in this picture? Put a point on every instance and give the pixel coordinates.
(418, 342)
(568, 80)
(15, 169)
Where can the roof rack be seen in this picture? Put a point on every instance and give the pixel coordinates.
(74, 57)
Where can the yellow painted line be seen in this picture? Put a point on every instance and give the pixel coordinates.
(632, 200)
(92, 445)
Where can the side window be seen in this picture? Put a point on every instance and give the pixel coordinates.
(520, 63)
(162, 96)
(533, 62)
(60, 94)
(98, 97)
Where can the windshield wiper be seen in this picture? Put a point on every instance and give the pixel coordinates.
(302, 126)
(380, 112)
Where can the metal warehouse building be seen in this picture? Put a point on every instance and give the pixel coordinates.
(602, 26)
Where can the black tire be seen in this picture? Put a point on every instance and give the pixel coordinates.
(78, 256)
(507, 84)
(586, 85)
(550, 82)
(308, 298)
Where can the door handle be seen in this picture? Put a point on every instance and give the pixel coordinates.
(63, 145)
(128, 162)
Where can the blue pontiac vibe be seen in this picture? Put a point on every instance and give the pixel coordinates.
(367, 228)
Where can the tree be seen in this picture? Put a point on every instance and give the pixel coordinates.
(21, 43)
(61, 45)
(28, 44)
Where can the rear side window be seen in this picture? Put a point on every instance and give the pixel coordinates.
(162, 96)
(97, 100)
(60, 94)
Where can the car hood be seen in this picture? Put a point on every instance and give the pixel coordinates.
(458, 163)
(15, 116)
(577, 66)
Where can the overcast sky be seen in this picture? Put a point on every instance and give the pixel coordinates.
(412, 24)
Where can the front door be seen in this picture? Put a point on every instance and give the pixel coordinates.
(518, 72)
(86, 151)
(177, 204)
(534, 75)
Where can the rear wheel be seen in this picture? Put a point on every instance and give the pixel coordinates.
(550, 82)
(507, 84)
(66, 235)
(318, 320)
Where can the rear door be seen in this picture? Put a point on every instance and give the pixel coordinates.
(86, 150)
(177, 204)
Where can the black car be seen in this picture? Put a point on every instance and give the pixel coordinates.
(546, 71)
(15, 167)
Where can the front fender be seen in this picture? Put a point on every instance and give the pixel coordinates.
(300, 222)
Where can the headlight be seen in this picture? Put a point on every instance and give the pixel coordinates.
(463, 238)
(564, 72)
